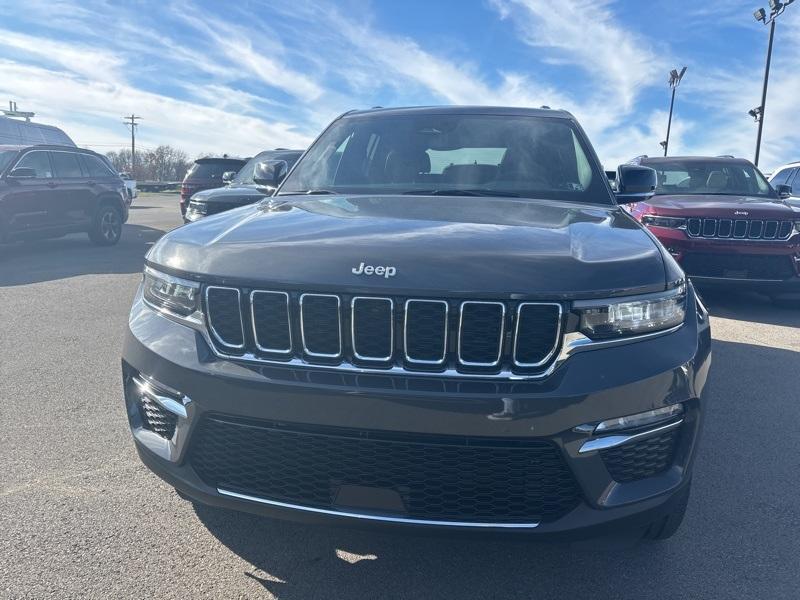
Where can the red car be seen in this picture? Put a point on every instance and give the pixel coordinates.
(725, 224)
(207, 173)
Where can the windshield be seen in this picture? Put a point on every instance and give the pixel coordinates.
(5, 157)
(457, 154)
(710, 177)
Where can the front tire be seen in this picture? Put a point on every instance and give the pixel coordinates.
(107, 226)
(665, 527)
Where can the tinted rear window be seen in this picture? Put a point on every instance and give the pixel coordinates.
(213, 170)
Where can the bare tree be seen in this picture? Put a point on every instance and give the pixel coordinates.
(163, 163)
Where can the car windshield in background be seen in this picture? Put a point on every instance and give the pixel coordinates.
(6, 156)
(458, 154)
(709, 177)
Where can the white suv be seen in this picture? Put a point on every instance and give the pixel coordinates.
(788, 175)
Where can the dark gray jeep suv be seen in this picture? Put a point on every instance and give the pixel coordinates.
(444, 320)
(50, 191)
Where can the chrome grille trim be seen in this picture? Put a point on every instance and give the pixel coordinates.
(339, 324)
(289, 322)
(740, 229)
(353, 328)
(211, 325)
(555, 341)
(417, 361)
(502, 333)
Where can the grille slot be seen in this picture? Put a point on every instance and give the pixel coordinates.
(425, 334)
(372, 328)
(537, 332)
(224, 313)
(315, 328)
(321, 325)
(156, 418)
(645, 458)
(435, 477)
(754, 229)
(272, 326)
(481, 332)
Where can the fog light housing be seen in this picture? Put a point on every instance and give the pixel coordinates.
(640, 419)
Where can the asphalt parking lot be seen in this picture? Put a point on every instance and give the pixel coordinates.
(80, 516)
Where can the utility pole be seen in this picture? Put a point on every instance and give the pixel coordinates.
(674, 81)
(775, 9)
(131, 122)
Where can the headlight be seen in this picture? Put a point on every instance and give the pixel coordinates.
(605, 319)
(172, 294)
(671, 222)
(198, 207)
(797, 226)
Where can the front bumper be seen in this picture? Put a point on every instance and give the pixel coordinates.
(589, 387)
(771, 267)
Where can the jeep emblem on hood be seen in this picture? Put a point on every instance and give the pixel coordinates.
(363, 269)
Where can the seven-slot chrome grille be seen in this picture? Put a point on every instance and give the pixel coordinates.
(739, 229)
(380, 332)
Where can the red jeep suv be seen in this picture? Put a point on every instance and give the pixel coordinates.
(724, 223)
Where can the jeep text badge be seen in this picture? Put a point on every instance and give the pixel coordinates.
(363, 269)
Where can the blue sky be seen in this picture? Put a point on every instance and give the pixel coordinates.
(241, 77)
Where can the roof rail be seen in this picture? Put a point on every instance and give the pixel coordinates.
(636, 160)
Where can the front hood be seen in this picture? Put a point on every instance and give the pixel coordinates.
(233, 195)
(436, 245)
(726, 207)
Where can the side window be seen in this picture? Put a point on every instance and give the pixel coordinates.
(794, 181)
(66, 164)
(39, 162)
(781, 177)
(95, 167)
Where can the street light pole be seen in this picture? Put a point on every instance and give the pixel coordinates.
(674, 81)
(764, 91)
(776, 8)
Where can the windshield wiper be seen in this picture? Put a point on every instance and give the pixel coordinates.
(461, 192)
(307, 192)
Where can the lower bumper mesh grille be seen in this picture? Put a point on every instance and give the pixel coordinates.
(157, 419)
(738, 266)
(645, 458)
(432, 477)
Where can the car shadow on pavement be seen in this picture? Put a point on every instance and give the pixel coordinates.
(734, 499)
(73, 255)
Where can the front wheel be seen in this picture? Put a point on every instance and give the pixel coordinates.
(107, 226)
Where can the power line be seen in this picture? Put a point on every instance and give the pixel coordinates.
(131, 122)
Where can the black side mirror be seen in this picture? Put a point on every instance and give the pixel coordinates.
(23, 173)
(270, 173)
(635, 183)
(228, 176)
(784, 191)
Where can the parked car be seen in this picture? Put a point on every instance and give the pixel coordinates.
(49, 191)
(242, 189)
(16, 132)
(726, 226)
(206, 173)
(130, 186)
(443, 319)
(788, 175)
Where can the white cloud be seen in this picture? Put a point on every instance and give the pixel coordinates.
(187, 125)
